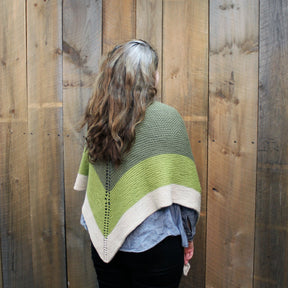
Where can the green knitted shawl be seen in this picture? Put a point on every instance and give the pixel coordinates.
(158, 171)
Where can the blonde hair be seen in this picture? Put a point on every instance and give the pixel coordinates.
(125, 87)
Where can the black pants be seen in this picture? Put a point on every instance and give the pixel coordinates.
(161, 266)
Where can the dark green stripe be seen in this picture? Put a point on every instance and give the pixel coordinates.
(162, 132)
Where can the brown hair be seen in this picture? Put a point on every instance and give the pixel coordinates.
(125, 87)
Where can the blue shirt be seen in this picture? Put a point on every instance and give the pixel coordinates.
(169, 221)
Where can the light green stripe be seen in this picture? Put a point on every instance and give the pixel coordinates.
(154, 172)
(84, 165)
(96, 198)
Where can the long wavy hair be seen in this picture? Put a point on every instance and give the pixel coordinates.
(125, 87)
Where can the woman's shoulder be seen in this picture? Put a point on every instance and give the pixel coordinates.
(159, 109)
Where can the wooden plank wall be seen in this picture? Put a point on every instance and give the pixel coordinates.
(82, 41)
(15, 225)
(45, 145)
(232, 152)
(271, 234)
(223, 65)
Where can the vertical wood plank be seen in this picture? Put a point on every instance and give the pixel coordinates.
(14, 186)
(233, 99)
(149, 28)
(185, 86)
(1, 278)
(1, 275)
(118, 22)
(82, 42)
(44, 57)
(271, 249)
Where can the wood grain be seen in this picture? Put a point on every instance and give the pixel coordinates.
(271, 234)
(44, 78)
(82, 41)
(232, 156)
(149, 28)
(118, 22)
(16, 249)
(40, 149)
(185, 86)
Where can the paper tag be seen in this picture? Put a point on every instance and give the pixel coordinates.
(186, 269)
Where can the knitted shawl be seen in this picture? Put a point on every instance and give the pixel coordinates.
(158, 171)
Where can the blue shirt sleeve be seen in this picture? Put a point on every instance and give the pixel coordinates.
(170, 221)
(189, 219)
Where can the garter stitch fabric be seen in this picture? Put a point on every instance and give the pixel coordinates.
(158, 171)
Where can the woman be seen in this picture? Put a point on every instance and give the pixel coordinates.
(142, 189)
